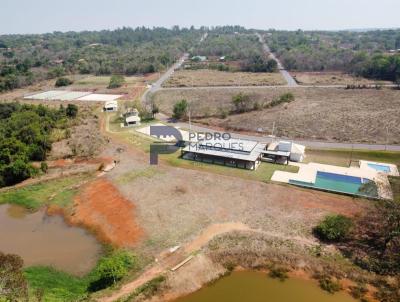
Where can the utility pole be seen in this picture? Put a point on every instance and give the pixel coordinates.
(273, 129)
(387, 137)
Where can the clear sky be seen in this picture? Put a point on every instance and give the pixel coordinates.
(39, 16)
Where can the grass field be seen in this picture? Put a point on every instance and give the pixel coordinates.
(206, 77)
(59, 192)
(332, 78)
(334, 114)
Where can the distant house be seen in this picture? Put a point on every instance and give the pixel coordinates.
(111, 106)
(198, 58)
(132, 118)
(222, 59)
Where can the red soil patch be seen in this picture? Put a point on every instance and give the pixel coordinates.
(101, 208)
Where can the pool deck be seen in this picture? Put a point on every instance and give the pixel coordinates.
(308, 172)
(393, 168)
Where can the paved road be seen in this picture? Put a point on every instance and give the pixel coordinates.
(158, 84)
(286, 75)
(267, 139)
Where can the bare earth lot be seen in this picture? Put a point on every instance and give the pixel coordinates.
(333, 114)
(332, 78)
(205, 77)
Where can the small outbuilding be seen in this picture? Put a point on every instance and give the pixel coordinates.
(283, 152)
(110, 106)
(132, 118)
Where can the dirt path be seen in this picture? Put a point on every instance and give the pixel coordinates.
(168, 260)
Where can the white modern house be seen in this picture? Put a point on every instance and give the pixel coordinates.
(111, 106)
(132, 118)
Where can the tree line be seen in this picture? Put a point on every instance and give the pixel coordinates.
(371, 54)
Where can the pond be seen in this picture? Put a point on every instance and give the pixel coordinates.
(258, 287)
(46, 240)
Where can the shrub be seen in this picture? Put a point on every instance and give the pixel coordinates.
(72, 110)
(180, 109)
(329, 285)
(280, 273)
(240, 101)
(111, 269)
(63, 82)
(358, 291)
(116, 81)
(44, 167)
(333, 228)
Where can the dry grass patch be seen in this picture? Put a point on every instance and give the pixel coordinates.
(332, 78)
(333, 114)
(205, 77)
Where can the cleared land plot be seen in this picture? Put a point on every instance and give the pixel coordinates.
(332, 78)
(47, 95)
(334, 114)
(65, 95)
(72, 95)
(100, 97)
(205, 77)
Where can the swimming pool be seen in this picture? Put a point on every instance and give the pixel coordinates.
(379, 168)
(335, 183)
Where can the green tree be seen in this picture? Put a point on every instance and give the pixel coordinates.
(116, 81)
(333, 228)
(180, 110)
(240, 101)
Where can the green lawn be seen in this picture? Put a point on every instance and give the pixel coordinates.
(342, 157)
(263, 173)
(32, 197)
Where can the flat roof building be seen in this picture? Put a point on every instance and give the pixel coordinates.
(237, 153)
(111, 106)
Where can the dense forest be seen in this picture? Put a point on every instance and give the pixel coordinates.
(26, 136)
(371, 54)
(232, 46)
(25, 59)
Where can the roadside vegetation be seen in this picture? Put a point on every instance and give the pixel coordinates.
(25, 136)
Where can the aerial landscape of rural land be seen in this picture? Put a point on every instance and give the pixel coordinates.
(200, 152)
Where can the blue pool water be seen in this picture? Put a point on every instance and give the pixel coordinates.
(335, 183)
(380, 168)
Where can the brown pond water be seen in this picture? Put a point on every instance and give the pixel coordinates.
(46, 240)
(258, 287)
